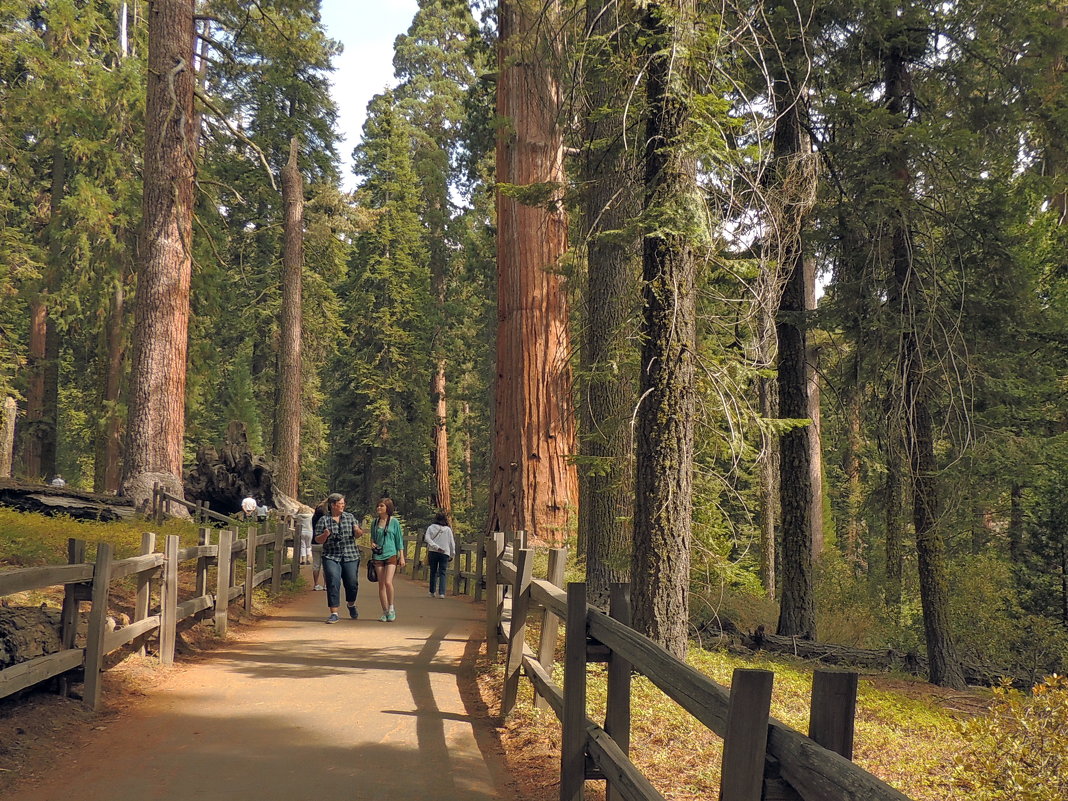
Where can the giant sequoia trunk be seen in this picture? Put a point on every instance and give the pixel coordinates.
(288, 410)
(663, 505)
(439, 451)
(943, 661)
(161, 316)
(606, 472)
(534, 485)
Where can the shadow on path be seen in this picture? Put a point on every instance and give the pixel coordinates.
(298, 710)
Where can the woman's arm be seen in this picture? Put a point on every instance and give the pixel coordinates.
(322, 533)
(398, 538)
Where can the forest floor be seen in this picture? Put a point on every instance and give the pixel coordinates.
(40, 732)
(907, 731)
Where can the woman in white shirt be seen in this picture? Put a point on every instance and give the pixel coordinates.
(441, 548)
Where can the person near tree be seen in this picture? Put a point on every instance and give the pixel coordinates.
(388, 553)
(337, 531)
(248, 508)
(441, 548)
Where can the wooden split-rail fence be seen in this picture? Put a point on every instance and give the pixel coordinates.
(763, 759)
(228, 566)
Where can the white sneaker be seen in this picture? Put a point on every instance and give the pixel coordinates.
(320, 587)
(441, 595)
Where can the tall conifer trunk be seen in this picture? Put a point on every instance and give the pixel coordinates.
(792, 193)
(42, 391)
(439, 451)
(534, 484)
(944, 665)
(288, 411)
(107, 467)
(663, 508)
(161, 317)
(606, 472)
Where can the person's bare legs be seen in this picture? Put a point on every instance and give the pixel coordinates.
(385, 587)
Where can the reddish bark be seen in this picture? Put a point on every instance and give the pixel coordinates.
(440, 448)
(107, 472)
(534, 485)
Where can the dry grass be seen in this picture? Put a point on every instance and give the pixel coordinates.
(907, 731)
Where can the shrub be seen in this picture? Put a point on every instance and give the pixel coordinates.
(1019, 752)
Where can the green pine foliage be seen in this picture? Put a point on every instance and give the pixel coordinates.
(377, 385)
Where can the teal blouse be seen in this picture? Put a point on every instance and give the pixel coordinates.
(390, 538)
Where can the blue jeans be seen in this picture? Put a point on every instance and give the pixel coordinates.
(337, 572)
(439, 563)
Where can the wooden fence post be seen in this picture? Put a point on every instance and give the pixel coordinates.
(455, 568)
(573, 722)
(480, 569)
(494, 596)
(617, 707)
(293, 531)
(279, 552)
(746, 743)
(222, 578)
(94, 642)
(235, 533)
(250, 564)
(70, 615)
(550, 623)
(517, 631)
(834, 704)
(168, 601)
(465, 555)
(203, 538)
(144, 584)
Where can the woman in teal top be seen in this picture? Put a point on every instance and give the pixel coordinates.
(388, 553)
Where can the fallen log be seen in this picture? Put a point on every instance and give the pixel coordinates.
(49, 500)
(885, 659)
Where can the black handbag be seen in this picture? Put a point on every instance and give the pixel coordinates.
(372, 570)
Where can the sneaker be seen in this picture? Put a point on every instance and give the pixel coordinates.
(353, 613)
(384, 618)
(333, 618)
(320, 587)
(391, 616)
(432, 595)
(441, 595)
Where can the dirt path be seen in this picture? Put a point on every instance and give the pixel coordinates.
(295, 710)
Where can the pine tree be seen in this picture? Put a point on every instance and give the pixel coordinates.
(380, 411)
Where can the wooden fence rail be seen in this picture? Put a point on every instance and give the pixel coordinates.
(263, 547)
(202, 513)
(763, 759)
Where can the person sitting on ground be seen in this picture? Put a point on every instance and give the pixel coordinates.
(441, 548)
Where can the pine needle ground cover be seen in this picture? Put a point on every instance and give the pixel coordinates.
(930, 743)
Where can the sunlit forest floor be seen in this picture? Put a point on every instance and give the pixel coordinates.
(911, 734)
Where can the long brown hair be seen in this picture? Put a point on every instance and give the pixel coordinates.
(390, 508)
